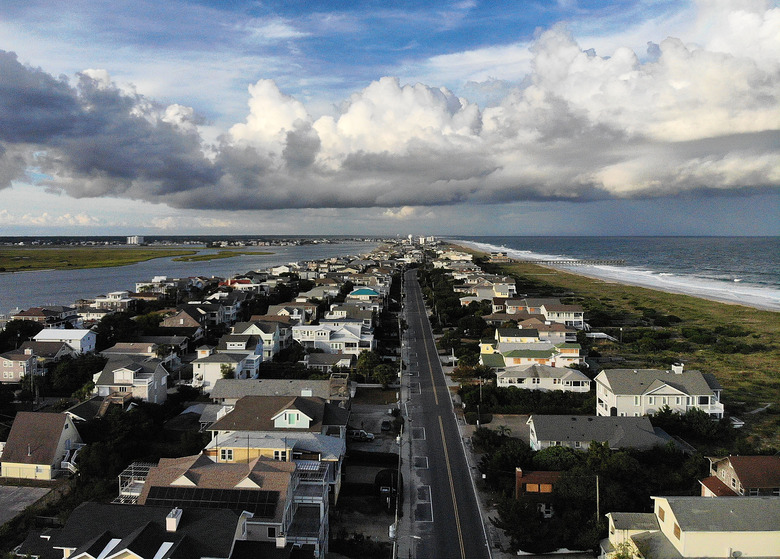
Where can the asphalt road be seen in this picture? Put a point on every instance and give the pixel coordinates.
(445, 518)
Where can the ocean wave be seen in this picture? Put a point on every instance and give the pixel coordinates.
(722, 289)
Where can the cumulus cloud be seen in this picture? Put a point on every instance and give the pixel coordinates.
(579, 125)
(46, 219)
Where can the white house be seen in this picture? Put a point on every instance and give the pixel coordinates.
(636, 392)
(268, 332)
(145, 379)
(570, 315)
(349, 338)
(81, 340)
(208, 369)
(543, 377)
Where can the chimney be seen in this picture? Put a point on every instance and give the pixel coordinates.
(172, 520)
(677, 368)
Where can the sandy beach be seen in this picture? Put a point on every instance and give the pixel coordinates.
(736, 293)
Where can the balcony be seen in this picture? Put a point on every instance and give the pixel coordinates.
(69, 461)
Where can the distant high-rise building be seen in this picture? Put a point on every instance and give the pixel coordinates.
(135, 240)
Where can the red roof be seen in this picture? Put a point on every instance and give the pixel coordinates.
(717, 487)
(757, 471)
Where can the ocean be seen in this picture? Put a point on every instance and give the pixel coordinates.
(743, 270)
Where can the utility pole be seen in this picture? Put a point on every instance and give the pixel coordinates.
(598, 512)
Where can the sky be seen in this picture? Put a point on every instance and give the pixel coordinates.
(631, 117)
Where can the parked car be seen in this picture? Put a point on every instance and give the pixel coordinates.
(386, 425)
(359, 435)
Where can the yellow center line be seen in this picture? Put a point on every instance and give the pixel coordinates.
(452, 489)
(430, 369)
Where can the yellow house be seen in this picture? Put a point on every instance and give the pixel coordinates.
(39, 446)
(699, 527)
(301, 429)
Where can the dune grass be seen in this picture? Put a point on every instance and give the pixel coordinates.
(17, 259)
(743, 352)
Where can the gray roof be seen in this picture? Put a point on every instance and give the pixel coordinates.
(262, 325)
(640, 381)
(86, 410)
(222, 358)
(517, 332)
(149, 365)
(656, 545)
(619, 432)
(328, 358)
(238, 388)
(727, 514)
(201, 532)
(536, 370)
(634, 520)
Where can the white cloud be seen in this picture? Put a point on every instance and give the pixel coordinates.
(581, 125)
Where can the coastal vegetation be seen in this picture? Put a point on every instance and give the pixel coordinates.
(18, 259)
(740, 345)
(219, 255)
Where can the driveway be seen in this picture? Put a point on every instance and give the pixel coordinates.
(14, 500)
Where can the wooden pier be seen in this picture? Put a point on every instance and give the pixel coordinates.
(583, 262)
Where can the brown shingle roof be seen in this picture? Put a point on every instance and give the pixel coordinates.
(757, 471)
(34, 438)
(204, 473)
(255, 413)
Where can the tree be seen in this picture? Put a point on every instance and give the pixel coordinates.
(228, 371)
(17, 332)
(385, 374)
(367, 362)
(72, 373)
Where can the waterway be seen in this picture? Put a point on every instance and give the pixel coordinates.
(63, 287)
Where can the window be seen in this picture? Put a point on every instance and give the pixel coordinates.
(532, 488)
(733, 483)
(545, 488)
(753, 492)
(661, 514)
(676, 530)
(272, 531)
(536, 380)
(677, 400)
(651, 400)
(664, 400)
(776, 491)
(280, 455)
(577, 444)
(226, 454)
(557, 443)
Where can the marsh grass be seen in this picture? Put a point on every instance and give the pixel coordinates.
(17, 259)
(219, 255)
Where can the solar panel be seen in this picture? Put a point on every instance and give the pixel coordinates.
(259, 503)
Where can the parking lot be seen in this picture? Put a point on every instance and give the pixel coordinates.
(14, 500)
